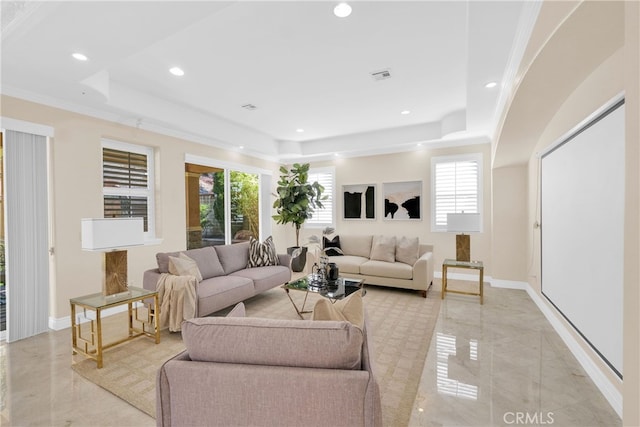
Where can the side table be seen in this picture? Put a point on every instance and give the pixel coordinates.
(473, 265)
(92, 345)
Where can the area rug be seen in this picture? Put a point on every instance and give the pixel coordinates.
(401, 322)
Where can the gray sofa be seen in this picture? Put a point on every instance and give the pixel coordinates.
(363, 259)
(226, 278)
(241, 371)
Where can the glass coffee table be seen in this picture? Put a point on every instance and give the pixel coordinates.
(334, 291)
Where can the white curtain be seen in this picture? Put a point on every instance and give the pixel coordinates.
(27, 236)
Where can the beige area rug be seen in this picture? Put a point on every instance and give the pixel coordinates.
(402, 323)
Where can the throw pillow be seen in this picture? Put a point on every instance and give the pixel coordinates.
(407, 250)
(383, 248)
(333, 243)
(237, 311)
(182, 265)
(349, 309)
(262, 254)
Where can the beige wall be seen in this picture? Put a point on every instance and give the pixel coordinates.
(509, 224)
(76, 168)
(410, 166)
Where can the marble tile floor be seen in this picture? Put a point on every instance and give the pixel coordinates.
(485, 363)
(503, 364)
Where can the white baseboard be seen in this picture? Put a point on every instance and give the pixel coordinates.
(604, 384)
(509, 284)
(65, 322)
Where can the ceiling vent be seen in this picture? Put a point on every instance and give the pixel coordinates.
(381, 75)
(249, 107)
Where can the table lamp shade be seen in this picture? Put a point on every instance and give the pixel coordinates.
(463, 223)
(103, 234)
(113, 236)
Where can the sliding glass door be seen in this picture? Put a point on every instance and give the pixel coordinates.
(223, 205)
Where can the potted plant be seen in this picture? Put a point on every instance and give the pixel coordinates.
(295, 202)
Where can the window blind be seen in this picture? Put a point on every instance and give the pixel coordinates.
(125, 178)
(456, 188)
(323, 217)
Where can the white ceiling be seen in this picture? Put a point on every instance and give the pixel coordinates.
(302, 67)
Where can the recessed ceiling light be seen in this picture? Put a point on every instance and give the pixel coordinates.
(176, 71)
(241, 147)
(405, 112)
(490, 85)
(299, 130)
(342, 10)
(79, 56)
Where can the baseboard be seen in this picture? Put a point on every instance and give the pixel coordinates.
(604, 384)
(65, 322)
(509, 284)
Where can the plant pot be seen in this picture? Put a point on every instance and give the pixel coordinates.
(298, 263)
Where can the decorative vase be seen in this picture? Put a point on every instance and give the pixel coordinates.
(298, 262)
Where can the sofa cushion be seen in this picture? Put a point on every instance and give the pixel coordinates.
(182, 265)
(206, 258)
(233, 257)
(349, 309)
(220, 292)
(333, 243)
(383, 248)
(349, 263)
(276, 342)
(395, 270)
(265, 278)
(407, 250)
(262, 253)
(356, 245)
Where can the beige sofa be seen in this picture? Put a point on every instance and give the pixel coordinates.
(226, 278)
(387, 261)
(240, 371)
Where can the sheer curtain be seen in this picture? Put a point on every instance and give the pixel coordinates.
(27, 236)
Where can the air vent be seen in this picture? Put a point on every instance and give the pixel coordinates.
(381, 75)
(249, 107)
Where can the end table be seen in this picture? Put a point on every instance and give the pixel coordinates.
(473, 265)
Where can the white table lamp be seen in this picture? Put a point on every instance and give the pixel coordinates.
(112, 236)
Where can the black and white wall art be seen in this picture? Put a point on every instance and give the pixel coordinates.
(359, 201)
(402, 200)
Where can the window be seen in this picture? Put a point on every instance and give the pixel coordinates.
(323, 217)
(127, 182)
(456, 181)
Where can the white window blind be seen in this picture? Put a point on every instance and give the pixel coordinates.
(456, 187)
(323, 217)
(127, 179)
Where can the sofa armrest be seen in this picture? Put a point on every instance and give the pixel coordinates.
(423, 270)
(150, 279)
(284, 259)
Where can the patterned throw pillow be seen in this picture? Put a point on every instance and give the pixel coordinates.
(333, 243)
(262, 254)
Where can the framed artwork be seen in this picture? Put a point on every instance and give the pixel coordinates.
(402, 200)
(359, 201)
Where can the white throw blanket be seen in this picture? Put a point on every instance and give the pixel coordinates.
(177, 296)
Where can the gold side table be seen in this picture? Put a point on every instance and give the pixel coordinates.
(92, 346)
(473, 265)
